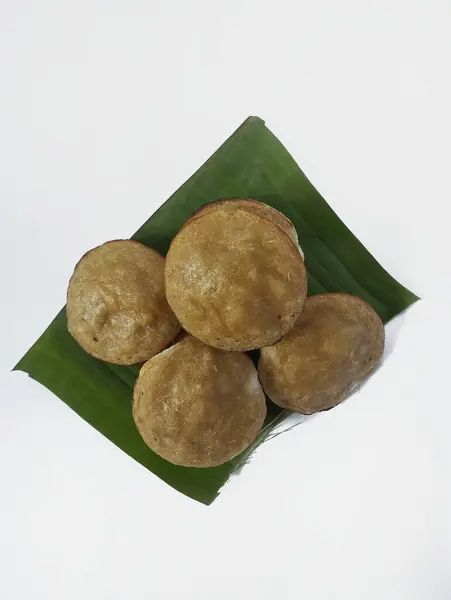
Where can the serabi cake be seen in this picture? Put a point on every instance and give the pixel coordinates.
(234, 279)
(116, 305)
(336, 343)
(197, 406)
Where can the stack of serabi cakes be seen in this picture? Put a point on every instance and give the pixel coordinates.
(234, 280)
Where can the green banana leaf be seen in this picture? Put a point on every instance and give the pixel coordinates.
(251, 163)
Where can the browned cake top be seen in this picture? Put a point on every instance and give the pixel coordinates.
(337, 341)
(234, 279)
(116, 305)
(198, 406)
(260, 208)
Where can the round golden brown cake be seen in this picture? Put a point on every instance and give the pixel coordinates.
(197, 406)
(235, 280)
(337, 341)
(116, 305)
(255, 206)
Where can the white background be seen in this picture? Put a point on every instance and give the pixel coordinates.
(106, 107)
